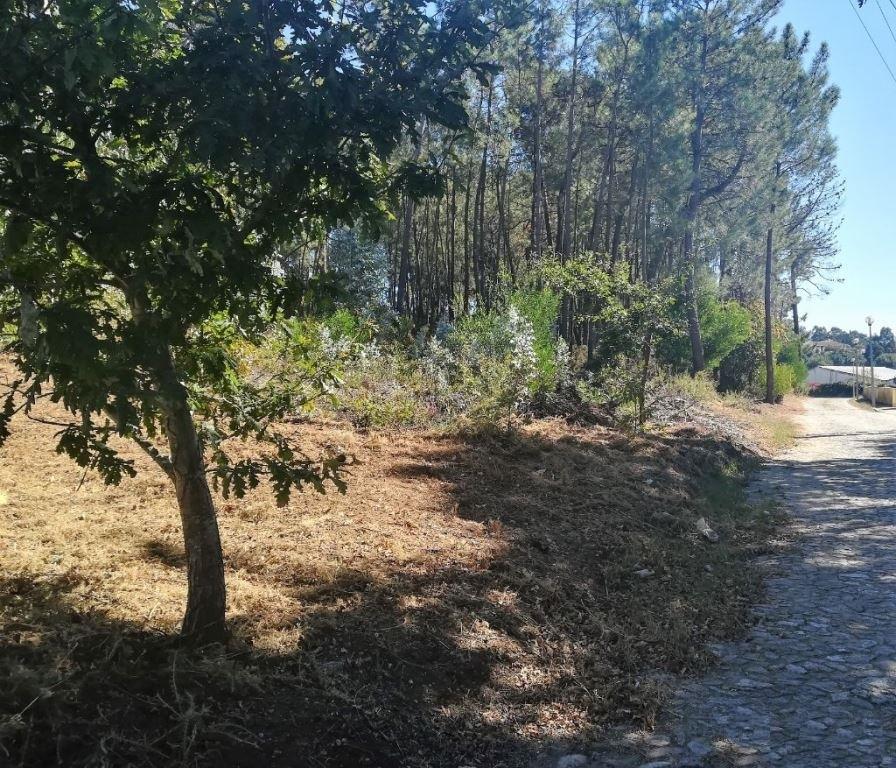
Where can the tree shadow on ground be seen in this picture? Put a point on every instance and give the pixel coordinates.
(822, 653)
(600, 581)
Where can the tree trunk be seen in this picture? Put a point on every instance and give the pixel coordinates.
(467, 237)
(602, 209)
(698, 359)
(451, 245)
(546, 212)
(536, 232)
(479, 211)
(645, 239)
(503, 226)
(769, 350)
(769, 270)
(597, 213)
(692, 209)
(206, 592)
(794, 305)
(564, 215)
(404, 264)
(206, 596)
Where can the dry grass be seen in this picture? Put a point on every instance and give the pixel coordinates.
(767, 429)
(772, 427)
(469, 599)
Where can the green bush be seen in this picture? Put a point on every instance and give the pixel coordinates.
(540, 308)
(483, 369)
(390, 389)
(495, 362)
(790, 355)
(725, 325)
(623, 322)
(790, 370)
(303, 355)
(739, 370)
(785, 379)
(343, 324)
(700, 387)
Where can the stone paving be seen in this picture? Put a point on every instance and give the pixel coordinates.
(814, 684)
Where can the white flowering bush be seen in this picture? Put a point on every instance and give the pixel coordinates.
(332, 348)
(301, 356)
(563, 363)
(483, 368)
(436, 363)
(522, 342)
(499, 361)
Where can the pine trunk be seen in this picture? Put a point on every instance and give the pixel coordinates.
(769, 349)
(537, 236)
(698, 360)
(769, 271)
(794, 306)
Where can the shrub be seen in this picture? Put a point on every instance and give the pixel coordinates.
(388, 389)
(724, 323)
(494, 363)
(739, 370)
(304, 355)
(785, 379)
(624, 321)
(700, 387)
(790, 354)
(838, 389)
(540, 308)
(790, 370)
(485, 368)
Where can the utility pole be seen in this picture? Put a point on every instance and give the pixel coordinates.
(855, 377)
(870, 320)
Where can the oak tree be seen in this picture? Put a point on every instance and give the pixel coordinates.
(153, 156)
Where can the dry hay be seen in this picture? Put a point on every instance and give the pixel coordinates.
(468, 600)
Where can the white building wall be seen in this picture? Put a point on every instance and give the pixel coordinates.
(820, 376)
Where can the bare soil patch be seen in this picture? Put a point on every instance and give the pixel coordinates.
(468, 599)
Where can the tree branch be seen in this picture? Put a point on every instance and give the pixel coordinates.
(722, 185)
(155, 454)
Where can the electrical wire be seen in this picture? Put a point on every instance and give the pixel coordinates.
(871, 38)
(886, 20)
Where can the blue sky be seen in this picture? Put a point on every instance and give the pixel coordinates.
(865, 126)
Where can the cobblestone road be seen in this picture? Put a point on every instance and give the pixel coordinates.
(814, 684)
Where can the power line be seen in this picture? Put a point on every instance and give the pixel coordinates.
(868, 32)
(886, 20)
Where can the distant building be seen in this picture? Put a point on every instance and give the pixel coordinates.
(846, 374)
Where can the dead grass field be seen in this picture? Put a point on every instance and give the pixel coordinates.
(469, 599)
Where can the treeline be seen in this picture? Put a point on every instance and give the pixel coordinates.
(839, 347)
(679, 138)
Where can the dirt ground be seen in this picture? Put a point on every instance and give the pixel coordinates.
(470, 598)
